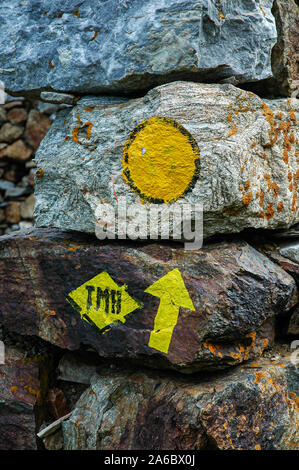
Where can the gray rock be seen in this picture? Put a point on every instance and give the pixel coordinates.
(57, 98)
(247, 408)
(291, 251)
(17, 191)
(248, 159)
(293, 327)
(122, 45)
(73, 368)
(6, 185)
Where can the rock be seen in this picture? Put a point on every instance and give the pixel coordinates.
(17, 192)
(12, 103)
(36, 128)
(25, 225)
(293, 328)
(285, 54)
(3, 115)
(17, 115)
(10, 132)
(27, 207)
(245, 409)
(6, 185)
(13, 212)
(72, 368)
(57, 98)
(247, 174)
(53, 441)
(217, 304)
(291, 250)
(124, 46)
(56, 403)
(19, 396)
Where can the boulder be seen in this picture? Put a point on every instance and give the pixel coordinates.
(285, 54)
(156, 304)
(245, 409)
(132, 45)
(214, 145)
(20, 393)
(36, 128)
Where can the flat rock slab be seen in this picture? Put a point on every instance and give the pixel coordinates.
(213, 145)
(245, 409)
(156, 304)
(126, 45)
(19, 393)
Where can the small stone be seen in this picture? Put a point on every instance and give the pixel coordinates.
(27, 207)
(25, 225)
(36, 128)
(3, 115)
(16, 192)
(13, 104)
(10, 132)
(57, 98)
(293, 328)
(13, 212)
(30, 164)
(5, 185)
(17, 115)
(17, 151)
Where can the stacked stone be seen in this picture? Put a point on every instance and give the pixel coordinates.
(22, 129)
(153, 346)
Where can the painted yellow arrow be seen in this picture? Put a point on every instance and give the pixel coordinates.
(173, 294)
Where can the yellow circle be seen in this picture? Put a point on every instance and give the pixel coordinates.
(160, 160)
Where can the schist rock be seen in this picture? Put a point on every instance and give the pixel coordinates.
(155, 304)
(214, 145)
(250, 408)
(20, 393)
(127, 45)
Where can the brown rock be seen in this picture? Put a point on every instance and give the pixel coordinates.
(13, 104)
(3, 115)
(216, 304)
(17, 151)
(36, 128)
(56, 403)
(10, 132)
(285, 54)
(53, 441)
(27, 207)
(13, 212)
(19, 394)
(293, 328)
(17, 115)
(244, 409)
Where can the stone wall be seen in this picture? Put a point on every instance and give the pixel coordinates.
(22, 129)
(124, 340)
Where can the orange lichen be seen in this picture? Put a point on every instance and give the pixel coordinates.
(293, 116)
(39, 173)
(50, 312)
(94, 36)
(89, 109)
(280, 206)
(67, 137)
(59, 15)
(270, 211)
(247, 185)
(75, 133)
(221, 15)
(76, 13)
(15, 388)
(247, 198)
(51, 64)
(233, 131)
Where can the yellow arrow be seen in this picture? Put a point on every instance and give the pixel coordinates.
(173, 294)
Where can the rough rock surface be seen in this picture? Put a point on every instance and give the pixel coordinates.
(246, 176)
(285, 54)
(132, 44)
(166, 307)
(19, 394)
(248, 408)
